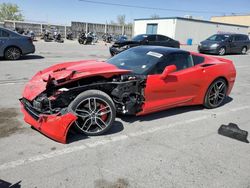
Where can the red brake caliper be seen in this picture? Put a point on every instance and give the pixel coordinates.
(104, 116)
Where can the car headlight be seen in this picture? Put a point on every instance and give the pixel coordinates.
(125, 47)
(214, 45)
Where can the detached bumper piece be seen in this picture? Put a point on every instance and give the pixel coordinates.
(55, 126)
(233, 131)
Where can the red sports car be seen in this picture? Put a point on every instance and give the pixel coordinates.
(138, 81)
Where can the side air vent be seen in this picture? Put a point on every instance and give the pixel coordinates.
(207, 65)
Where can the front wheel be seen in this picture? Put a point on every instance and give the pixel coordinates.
(244, 50)
(12, 53)
(222, 51)
(216, 94)
(95, 111)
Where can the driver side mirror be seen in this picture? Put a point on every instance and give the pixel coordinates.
(168, 69)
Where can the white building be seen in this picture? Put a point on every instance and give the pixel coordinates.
(182, 29)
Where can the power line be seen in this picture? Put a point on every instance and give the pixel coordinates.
(156, 8)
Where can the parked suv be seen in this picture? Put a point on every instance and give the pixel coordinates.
(13, 45)
(143, 39)
(222, 44)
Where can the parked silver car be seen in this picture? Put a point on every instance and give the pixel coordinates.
(14, 45)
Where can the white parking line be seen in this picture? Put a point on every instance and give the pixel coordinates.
(107, 140)
(241, 66)
(11, 83)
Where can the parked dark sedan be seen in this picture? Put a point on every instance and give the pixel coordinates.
(13, 45)
(143, 39)
(222, 44)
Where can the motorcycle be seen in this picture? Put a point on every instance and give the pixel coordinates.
(58, 38)
(69, 36)
(107, 38)
(85, 39)
(47, 36)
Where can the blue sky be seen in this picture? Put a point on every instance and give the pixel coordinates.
(65, 11)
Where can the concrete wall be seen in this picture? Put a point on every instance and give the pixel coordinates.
(37, 28)
(239, 20)
(76, 28)
(183, 29)
(100, 29)
(199, 31)
(165, 27)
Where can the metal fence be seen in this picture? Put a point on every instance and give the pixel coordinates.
(76, 28)
(100, 29)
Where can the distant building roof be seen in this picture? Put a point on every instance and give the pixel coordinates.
(190, 19)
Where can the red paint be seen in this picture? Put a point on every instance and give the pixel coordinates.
(53, 126)
(68, 72)
(181, 88)
(186, 87)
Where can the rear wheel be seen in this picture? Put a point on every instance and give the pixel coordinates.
(222, 51)
(244, 50)
(95, 111)
(216, 94)
(12, 53)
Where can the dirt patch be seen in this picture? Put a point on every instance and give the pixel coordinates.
(120, 183)
(9, 123)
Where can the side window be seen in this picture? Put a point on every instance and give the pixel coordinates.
(161, 65)
(181, 61)
(244, 37)
(198, 59)
(237, 38)
(162, 38)
(3, 33)
(151, 38)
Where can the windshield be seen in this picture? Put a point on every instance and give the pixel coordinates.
(139, 37)
(218, 37)
(139, 60)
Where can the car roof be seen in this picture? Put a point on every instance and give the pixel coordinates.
(230, 34)
(151, 34)
(162, 50)
(10, 31)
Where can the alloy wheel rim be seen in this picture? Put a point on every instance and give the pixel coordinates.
(244, 50)
(222, 51)
(13, 53)
(94, 115)
(217, 93)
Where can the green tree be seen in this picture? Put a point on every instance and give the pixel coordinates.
(121, 19)
(10, 11)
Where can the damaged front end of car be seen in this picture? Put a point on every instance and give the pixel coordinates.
(49, 111)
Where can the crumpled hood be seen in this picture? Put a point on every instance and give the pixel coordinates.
(123, 43)
(68, 72)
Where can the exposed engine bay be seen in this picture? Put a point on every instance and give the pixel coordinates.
(126, 91)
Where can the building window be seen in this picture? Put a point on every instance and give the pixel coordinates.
(152, 28)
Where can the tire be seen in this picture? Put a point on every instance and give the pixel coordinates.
(95, 111)
(222, 51)
(112, 54)
(244, 50)
(80, 41)
(12, 53)
(216, 94)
